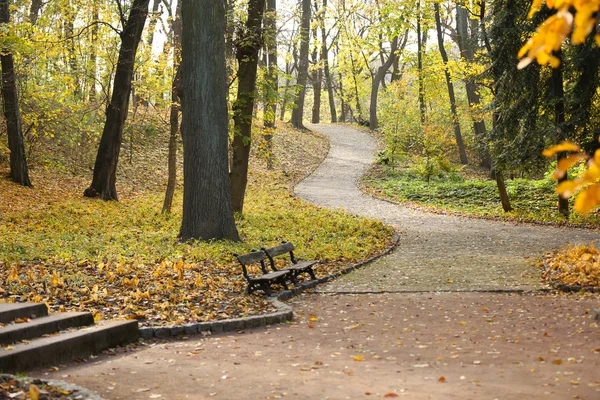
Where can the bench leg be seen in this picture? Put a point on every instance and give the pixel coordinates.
(293, 279)
(312, 274)
(285, 286)
(265, 288)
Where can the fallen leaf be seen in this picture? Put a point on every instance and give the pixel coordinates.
(390, 395)
(442, 379)
(359, 358)
(34, 392)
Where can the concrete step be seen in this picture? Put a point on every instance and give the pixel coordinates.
(11, 311)
(67, 346)
(43, 326)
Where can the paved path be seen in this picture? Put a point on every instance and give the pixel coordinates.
(365, 346)
(436, 252)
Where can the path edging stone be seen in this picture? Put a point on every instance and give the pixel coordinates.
(78, 391)
(283, 313)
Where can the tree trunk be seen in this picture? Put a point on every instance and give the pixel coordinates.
(107, 159)
(379, 76)
(558, 94)
(465, 43)
(93, 55)
(317, 82)
(174, 113)
(420, 49)
(298, 112)
(270, 111)
(504, 199)
(34, 10)
(154, 15)
(247, 55)
(207, 210)
(326, 70)
(69, 25)
(16, 144)
(455, 122)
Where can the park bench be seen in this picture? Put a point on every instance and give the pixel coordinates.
(262, 281)
(296, 268)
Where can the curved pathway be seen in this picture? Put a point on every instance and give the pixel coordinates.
(436, 252)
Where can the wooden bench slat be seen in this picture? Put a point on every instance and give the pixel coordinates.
(253, 257)
(281, 249)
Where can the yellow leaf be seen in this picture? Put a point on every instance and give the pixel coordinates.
(34, 392)
(359, 358)
(314, 319)
(564, 146)
(566, 189)
(588, 200)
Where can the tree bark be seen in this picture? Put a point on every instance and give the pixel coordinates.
(248, 47)
(174, 112)
(420, 49)
(16, 144)
(93, 55)
(107, 159)
(465, 43)
(298, 112)
(558, 94)
(317, 81)
(457, 134)
(270, 111)
(326, 70)
(379, 76)
(34, 10)
(207, 210)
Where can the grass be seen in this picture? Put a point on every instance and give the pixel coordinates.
(532, 200)
(122, 259)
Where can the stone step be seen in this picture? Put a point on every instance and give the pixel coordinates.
(67, 346)
(11, 311)
(43, 326)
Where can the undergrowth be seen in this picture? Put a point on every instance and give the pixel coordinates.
(451, 191)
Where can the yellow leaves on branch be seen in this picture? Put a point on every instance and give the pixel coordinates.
(552, 32)
(588, 184)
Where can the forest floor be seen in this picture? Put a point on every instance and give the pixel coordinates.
(455, 312)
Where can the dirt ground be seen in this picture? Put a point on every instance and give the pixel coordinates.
(417, 346)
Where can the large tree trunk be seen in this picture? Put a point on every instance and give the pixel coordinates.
(465, 43)
(207, 210)
(34, 10)
(379, 76)
(247, 56)
(455, 122)
(174, 114)
(298, 112)
(18, 163)
(326, 70)
(105, 168)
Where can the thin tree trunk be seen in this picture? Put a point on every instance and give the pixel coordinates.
(504, 199)
(207, 210)
(455, 122)
(420, 49)
(70, 15)
(317, 81)
(465, 43)
(34, 10)
(273, 80)
(379, 76)
(93, 55)
(16, 144)
(558, 94)
(154, 15)
(247, 56)
(174, 113)
(107, 159)
(343, 107)
(298, 112)
(326, 70)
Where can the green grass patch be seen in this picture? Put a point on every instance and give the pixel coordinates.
(532, 200)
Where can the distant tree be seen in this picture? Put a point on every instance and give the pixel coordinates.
(207, 208)
(107, 159)
(298, 112)
(248, 45)
(16, 144)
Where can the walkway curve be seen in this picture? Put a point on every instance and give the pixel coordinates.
(436, 252)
